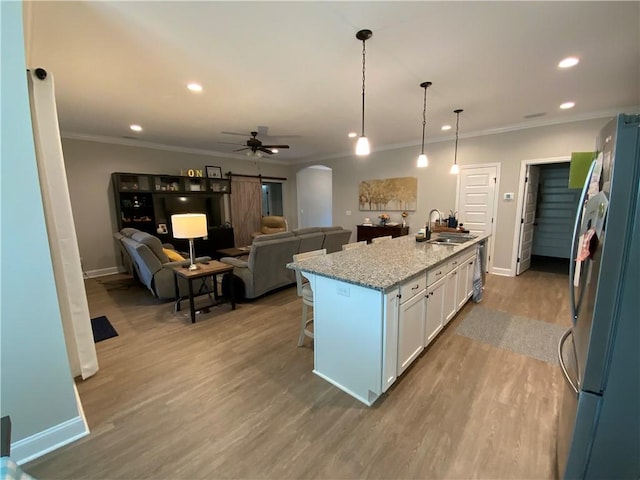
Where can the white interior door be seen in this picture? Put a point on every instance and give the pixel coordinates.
(477, 199)
(528, 218)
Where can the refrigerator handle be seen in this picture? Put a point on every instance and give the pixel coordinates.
(563, 339)
(574, 241)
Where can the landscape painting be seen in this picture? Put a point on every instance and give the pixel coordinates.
(389, 194)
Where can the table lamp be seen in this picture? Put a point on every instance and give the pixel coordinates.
(190, 226)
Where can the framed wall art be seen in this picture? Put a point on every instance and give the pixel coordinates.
(213, 172)
(399, 193)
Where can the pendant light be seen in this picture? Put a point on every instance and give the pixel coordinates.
(422, 158)
(362, 147)
(454, 168)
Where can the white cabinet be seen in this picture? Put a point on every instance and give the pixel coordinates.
(450, 303)
(462, 285)
(471, 265)
(434, 319)
(390, 336)
(411, 322)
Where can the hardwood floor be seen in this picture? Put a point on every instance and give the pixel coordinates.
(231, 396)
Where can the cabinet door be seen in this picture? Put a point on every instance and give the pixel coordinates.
(390, 336)
(450, 303)
(461, 285)
(410, 330)
(434, 318)
(471, 265)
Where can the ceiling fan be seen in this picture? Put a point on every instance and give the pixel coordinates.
(254, 145)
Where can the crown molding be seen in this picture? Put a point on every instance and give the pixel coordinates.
(537, 123)
(168, 148)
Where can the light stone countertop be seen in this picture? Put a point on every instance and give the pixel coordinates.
(384, 265)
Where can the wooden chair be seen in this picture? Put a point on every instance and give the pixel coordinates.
(304, 291)
(349, 246)
(381, 239)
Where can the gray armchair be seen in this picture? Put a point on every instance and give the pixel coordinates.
(152, 266)
(266, 267)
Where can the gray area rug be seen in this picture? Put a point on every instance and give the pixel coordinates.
(534, 338)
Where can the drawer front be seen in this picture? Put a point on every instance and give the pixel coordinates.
(411, 288)
(455, 262)
(437, 273)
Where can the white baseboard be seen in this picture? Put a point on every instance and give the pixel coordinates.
(35, 446)
(102, 272)
(505, 272)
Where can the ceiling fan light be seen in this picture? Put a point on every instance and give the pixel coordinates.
(423, 161)
(455, 170)
(362, 147)
(253, 154)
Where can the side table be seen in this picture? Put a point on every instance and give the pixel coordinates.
(212, 269)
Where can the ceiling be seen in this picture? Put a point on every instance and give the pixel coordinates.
(293, 70)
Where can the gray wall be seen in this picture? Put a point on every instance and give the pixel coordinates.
(36, 384)
(89, 166)
(314, 206)
(437, 187)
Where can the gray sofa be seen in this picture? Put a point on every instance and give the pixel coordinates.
(145, 256)
(265, 268)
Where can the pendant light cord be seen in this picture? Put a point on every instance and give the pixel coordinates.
(424, 118)
(455, 155)
(363, 77)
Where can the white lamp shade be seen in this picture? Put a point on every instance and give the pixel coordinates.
(422, 161)
(189, 225)
(454, 169)
(362, 147)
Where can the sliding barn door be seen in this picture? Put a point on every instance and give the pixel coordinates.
(246, 208)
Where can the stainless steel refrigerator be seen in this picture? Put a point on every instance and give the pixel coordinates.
(599, 421)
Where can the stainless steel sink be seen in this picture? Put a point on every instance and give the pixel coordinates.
(446, 241)
(451, 239)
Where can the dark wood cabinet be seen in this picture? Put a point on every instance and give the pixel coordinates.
(146, 202)
(367, 232)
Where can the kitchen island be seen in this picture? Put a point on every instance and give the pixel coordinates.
(378, 306)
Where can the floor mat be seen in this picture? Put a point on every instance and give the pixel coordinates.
(527, 336)
(102, 329)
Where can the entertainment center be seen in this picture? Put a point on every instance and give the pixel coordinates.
(147, 201)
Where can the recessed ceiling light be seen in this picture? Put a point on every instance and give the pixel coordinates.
(567, 105)
(353, 134)
(135, 128)
(445, 127)
(569, 62)
(194, 87)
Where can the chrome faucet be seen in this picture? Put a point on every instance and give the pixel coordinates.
(428, 226)
(439, 217)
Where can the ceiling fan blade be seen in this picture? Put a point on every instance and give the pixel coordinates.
(265, 150)
(275, 146)
(240, 149)
(236, 133)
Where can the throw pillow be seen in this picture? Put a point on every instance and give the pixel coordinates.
(173, 255)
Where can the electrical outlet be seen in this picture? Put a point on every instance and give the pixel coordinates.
(508, 196)
(348, 212)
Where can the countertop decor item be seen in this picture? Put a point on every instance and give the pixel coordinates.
(384, 218)
(423, 161)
